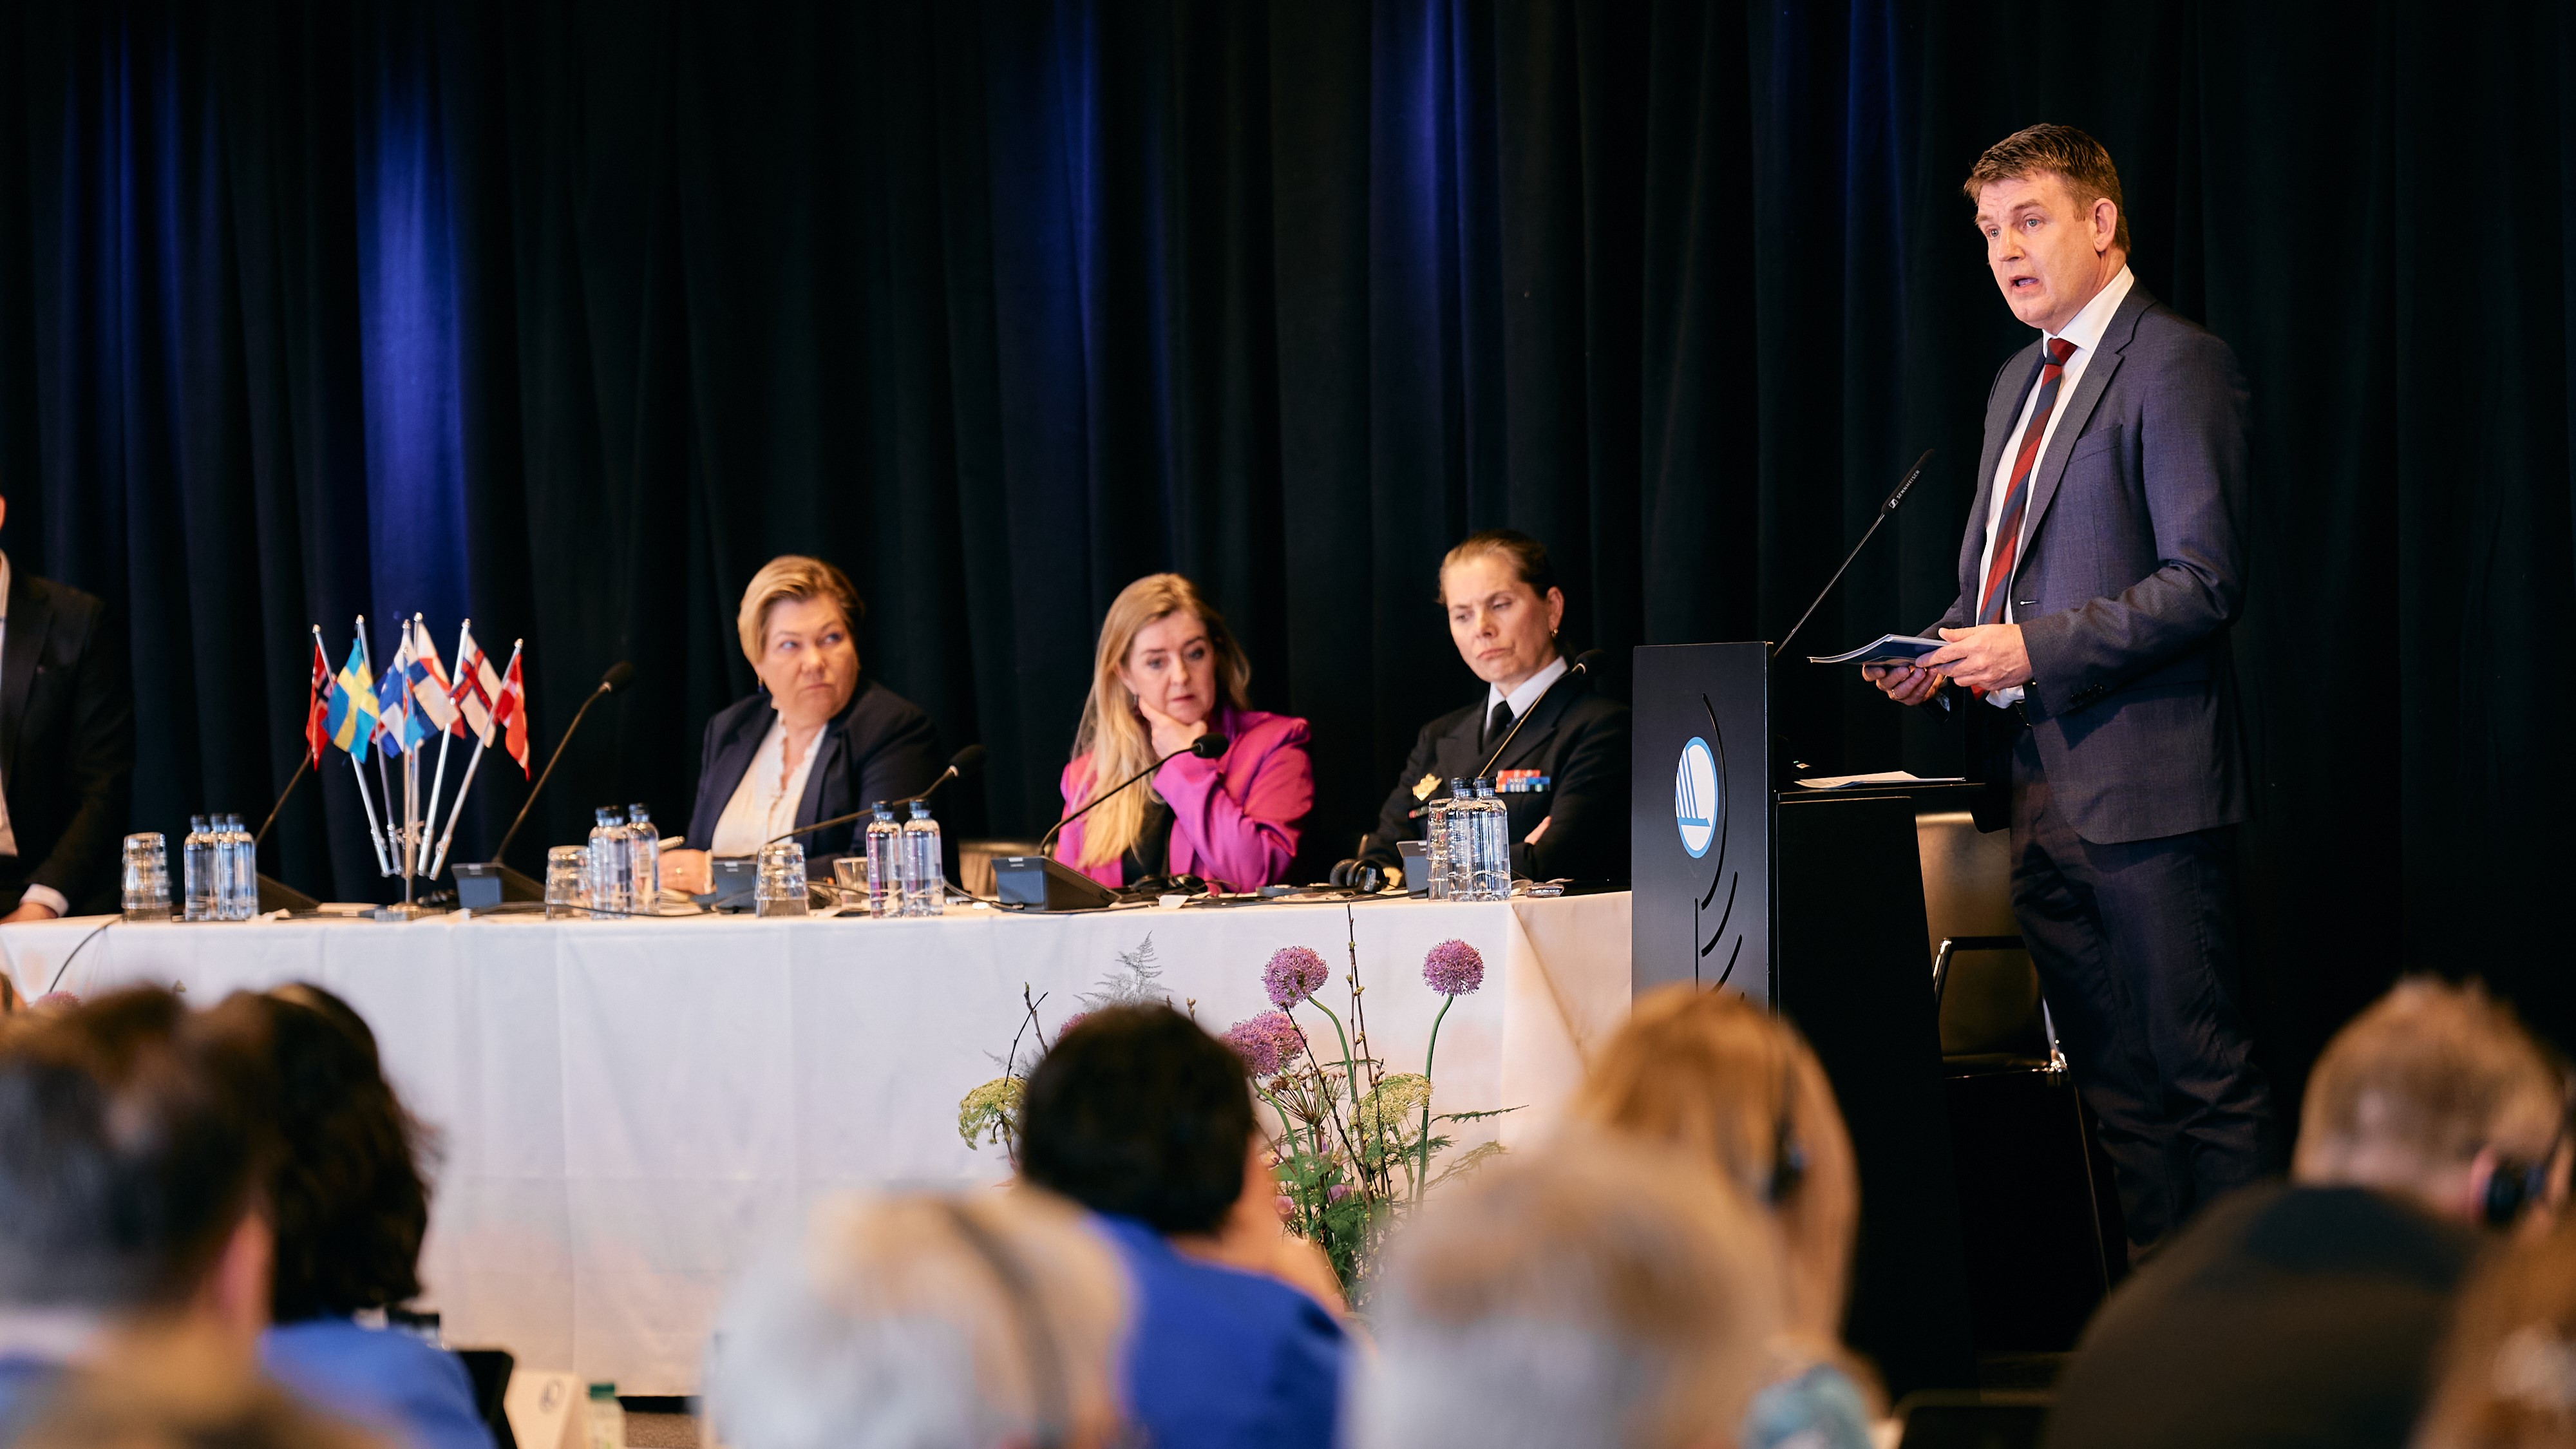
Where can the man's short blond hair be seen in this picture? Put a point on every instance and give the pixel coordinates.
(793, 576)
(2073, 157)
(2433, 1072)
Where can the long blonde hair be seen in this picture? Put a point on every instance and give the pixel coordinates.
(1113, 733)
(1713, 1074)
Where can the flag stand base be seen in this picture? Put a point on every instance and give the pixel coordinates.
(403, 911)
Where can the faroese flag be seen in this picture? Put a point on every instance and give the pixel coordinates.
(353, 705)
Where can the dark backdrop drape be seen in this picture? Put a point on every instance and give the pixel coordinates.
(567, 315)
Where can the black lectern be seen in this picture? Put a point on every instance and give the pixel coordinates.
(1812, 902)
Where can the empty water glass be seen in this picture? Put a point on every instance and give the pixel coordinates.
(566, 868)
(779, 889)
(146, 878)
(850, 878)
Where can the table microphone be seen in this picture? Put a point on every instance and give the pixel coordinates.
(619, 675)
(1582, 664)
(960, 765)
(1208, 746)
(1884, 509)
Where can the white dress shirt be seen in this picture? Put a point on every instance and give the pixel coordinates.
(38, 895)
(764, 805)
(2085, 331)
(1522, 698)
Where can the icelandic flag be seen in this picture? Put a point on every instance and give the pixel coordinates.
(430, 689)
(476, 687)
(353, 705)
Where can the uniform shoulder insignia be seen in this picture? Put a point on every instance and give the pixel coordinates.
(1423, 787)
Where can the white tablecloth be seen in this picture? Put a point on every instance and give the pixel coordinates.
(625, 1108)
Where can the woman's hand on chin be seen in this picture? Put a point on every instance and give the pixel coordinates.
(1170, 734)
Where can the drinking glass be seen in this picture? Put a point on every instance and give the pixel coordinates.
(779, 889)
(1435, 850)
(146, 877)
(850, 878)
(567, 866)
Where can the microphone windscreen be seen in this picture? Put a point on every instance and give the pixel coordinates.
(619, 675)
(1210, 746)
(1587, 661)
(967, 761)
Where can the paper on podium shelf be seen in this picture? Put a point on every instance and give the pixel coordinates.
(1883, 777)
(1885, 649)
(546, 1411)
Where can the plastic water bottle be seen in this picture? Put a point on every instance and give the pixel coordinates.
(243, 878)
(644, 845)
(885, 864)
(196, 855)
(1494, 860)
(604, 1419)
(925, 865)
(612, 875)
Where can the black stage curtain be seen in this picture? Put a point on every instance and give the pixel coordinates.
(567, 315)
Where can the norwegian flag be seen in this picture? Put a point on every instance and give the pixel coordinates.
(510, 712)
(475, 688)
(317, 717)
(429, 686)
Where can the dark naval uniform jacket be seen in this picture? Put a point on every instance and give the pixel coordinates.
(1568, 766)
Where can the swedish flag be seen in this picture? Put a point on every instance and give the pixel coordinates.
(353, 705)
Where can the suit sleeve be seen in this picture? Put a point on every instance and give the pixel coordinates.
(2192, 468)
(1587, 823)
(1245, 843)
(904, 761)
(1394, 820)
(100, 770)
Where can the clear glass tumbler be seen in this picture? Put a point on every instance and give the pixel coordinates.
(779, 889)
(850, 878)
(1435, 850)
(146, 877)
(567, 867)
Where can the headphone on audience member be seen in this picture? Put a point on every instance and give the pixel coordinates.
(1788, 1156)
(2514, 1185)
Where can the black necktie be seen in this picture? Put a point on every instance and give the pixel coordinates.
(1502, 724)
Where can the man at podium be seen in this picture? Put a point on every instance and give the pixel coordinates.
(2102, 568)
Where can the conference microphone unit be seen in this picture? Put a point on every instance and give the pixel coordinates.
(1583, 664)
(483, 885)
(960, 765)
(1903, 486)
(1042, 883)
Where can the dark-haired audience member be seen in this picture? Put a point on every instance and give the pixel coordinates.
(1601, 1293)
(131, 1153)
(179, 1391)
(349, 1207)
(932, 1322)
(2508, 1372)
(1146, 1120)
(1715, 1076)
(2307, 1313)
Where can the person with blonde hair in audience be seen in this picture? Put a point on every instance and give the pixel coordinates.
(924, 1321)
(2508, 1370)
(1594, 1291)
(1718, 1077)
(2307, 1313)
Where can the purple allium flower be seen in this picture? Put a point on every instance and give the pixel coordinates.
(1294, 973)
(1337, 1192)
(1453, 968)
(1267, 1043)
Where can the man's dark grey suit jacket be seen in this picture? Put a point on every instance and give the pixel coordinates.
(2132, 569)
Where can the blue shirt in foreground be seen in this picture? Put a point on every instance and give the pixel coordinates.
(386, 1380)
(1224, 1359)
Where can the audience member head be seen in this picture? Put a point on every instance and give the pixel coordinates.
(2437, 1094)
(347, 1199)
(1164, 652)
(1598, 1292)
(131, 1158)
(1713, 1074)
(1504, 607)
(799, 623)
(924, 1322)
(2507, 1375)
(1140, 1114)
(179, 1388)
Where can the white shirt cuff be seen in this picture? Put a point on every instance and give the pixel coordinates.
(45, 895)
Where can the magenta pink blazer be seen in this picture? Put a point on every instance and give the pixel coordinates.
(1234, 818)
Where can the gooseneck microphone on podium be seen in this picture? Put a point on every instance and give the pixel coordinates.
(482, 886)
(960, 765)
(1042, 883)
(1885, 510)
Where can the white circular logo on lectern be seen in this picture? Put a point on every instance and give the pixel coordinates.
(1695, 797)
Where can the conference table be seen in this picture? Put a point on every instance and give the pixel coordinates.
(626, 1109)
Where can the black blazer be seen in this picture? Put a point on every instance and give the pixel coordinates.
(1576, 739)
(66, 743)
(879, 747)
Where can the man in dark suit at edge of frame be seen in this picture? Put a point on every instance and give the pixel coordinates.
(2102, 566)
(66, 749)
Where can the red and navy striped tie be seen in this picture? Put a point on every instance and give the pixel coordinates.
(1990, 604)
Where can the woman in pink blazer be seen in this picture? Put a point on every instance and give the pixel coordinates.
(1167, 672)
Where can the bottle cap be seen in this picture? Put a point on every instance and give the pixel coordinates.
(884, 811)
(603, 1390)
(920, 809)
(197, 822)
(604, 815)
(636, 814)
